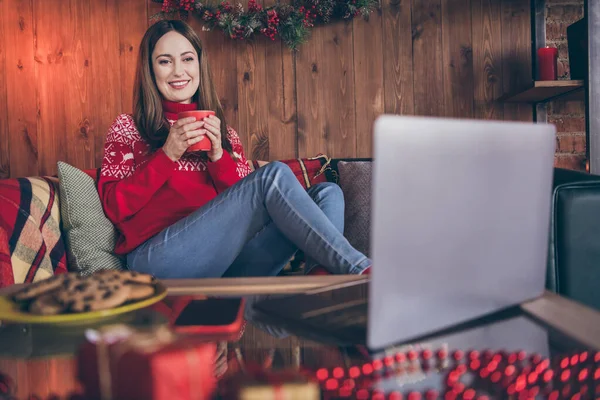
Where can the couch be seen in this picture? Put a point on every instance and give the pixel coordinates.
(574, 238)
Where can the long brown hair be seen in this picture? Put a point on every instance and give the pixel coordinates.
(148, 111)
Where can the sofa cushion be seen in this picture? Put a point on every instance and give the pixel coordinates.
(90, 237)
(31, 245)
(355, 182)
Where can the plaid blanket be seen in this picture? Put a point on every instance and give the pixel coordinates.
(31, 247)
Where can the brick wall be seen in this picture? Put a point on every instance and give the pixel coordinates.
(568, 116)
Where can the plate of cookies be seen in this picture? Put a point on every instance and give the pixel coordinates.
(74, 298)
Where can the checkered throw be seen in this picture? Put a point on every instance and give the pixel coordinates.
(31, 247)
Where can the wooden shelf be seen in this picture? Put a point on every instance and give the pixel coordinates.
(543, 91)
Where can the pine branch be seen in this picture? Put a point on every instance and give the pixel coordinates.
(291, 23)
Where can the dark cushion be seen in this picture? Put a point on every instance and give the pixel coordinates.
(355, 182)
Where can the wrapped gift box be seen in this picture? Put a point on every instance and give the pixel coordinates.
(269, 385)
(120, 363)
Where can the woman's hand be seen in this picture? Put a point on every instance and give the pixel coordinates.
(212, 126)
(183, 133)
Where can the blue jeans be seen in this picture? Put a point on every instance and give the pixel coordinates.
(253, 229)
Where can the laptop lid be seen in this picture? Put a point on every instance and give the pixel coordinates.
(460, 219)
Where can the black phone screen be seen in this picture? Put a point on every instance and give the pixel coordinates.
(213, 312)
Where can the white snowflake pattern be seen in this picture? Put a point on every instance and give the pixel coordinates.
(125, 149)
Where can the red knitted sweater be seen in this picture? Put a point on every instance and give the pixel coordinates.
(143, 193)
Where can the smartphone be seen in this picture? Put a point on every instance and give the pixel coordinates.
(211, 316)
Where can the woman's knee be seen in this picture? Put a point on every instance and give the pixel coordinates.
(277, 169)
(327, 190)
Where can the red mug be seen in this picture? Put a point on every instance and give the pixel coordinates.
(205, 144)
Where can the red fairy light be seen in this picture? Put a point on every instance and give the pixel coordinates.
(338, 372)
(322, 374)
(458, 355)
(377, 365)
(414, 396)
(431, 395)
(496, 376)
(378, 396)
(427, 354)
(412, 355)
(331, 384)
(575, 360)
(450, 395)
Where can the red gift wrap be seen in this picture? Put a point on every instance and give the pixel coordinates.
(119, 363)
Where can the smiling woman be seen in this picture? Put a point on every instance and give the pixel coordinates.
(188, 214)
(172, 68)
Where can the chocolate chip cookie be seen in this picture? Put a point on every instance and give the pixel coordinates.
(46, 304)
(36, 289)
(140, 291)
(93, 293)
(126, 276)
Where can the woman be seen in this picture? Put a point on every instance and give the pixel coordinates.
(187, 215)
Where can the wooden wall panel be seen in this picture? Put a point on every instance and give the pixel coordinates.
(4, 139)
(133, 22)
(368, 79)
(252, 99)
(21, 91)
(487, 59)
(428, 73)
(325, 89)
(77, 84)
(252, 96)
(398, 57)
(76, 61)
(457, 51)
(280, 92)
(516, 55)
(105, 95)
(51, 81)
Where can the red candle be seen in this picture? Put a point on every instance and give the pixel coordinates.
(547, 63)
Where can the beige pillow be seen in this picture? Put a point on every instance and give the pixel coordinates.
(90, 237)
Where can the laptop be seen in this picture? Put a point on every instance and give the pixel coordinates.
(460, 222)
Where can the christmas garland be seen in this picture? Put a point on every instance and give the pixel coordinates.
(289, 22)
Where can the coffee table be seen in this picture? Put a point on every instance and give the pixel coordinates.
(40, 360)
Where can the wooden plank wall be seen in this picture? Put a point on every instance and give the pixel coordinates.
(67, 67)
